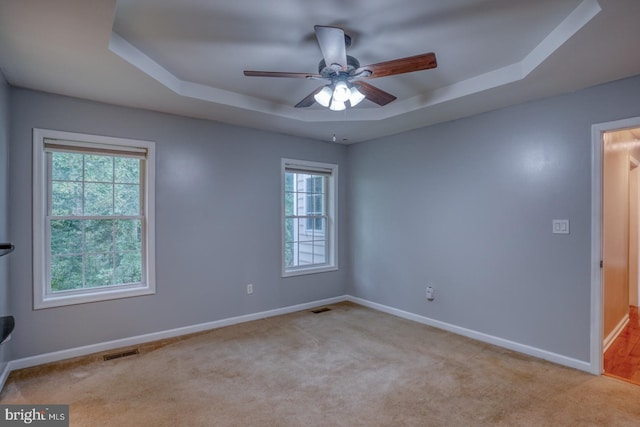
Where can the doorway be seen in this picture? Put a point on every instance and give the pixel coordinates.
(634, 231)
(621, 344)
(615, 249)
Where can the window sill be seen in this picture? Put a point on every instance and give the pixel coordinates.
(310, 270)
(51, 301)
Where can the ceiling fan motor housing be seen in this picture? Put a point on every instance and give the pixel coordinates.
(327, 72)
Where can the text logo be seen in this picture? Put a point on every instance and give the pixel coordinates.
(34, 415)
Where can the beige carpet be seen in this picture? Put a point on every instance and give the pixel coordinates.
(350, 366)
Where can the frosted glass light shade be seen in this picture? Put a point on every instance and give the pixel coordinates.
(324, 96)
(341, 93)
(356, 97)
(337, 105)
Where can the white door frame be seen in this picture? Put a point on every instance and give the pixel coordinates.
(597, 130)
(634, 165)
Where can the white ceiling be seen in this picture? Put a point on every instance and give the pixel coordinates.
(187, 56)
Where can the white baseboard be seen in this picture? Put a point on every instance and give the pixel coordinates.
(614, 334)
(41, 359)
(500, 342)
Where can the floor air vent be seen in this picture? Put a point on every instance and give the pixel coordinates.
(121, 354)
(320, 310)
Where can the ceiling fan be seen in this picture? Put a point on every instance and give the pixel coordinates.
(345, 75)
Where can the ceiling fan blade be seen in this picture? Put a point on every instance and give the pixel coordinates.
(308, 100)
(409, 64)
(374, 94)
(250, 73)
(332, 45)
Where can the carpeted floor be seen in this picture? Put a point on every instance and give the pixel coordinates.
(350, 366)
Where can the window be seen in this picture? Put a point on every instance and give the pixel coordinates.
(308, 217)
(93, 218)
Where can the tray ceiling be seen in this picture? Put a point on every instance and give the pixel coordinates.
(187, 56)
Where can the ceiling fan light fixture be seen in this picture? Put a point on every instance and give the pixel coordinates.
(337, 105)
(343, 72)
(356, 96)
(324, 96)
(341, 92)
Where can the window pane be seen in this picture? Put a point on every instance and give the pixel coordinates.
(289, 254)
(128, 268)
(127, 199)
(66, 198)
(98, 168)
(66, 237)
(317, 225)
(128, 235)
(99, 270)
(310, 201)
(66, 166)
(301, 180)
(66, 273)
(305, 253)
(316, 184)
(289, 203)
(289, 229)
(288, 181)
(304, 233)
(318, 204)
(98, 199)
(98, 235)
(301, 204)
(319, 252)
(310, 223)
(127, 170)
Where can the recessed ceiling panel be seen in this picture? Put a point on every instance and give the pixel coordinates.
(212, 42)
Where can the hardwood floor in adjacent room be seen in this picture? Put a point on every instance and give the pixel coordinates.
(622, 358)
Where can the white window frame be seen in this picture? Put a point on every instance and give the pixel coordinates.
(42, 297)
(331, 225)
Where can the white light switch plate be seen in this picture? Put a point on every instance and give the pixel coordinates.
(560, 226)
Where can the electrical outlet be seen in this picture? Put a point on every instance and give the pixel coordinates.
(249, 289)
(430, 293)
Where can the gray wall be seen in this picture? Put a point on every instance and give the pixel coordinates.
(4, 210)
(466, 207)
(217, 224)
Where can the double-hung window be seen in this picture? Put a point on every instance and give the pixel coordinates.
(309, 195)
(93, 218)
